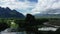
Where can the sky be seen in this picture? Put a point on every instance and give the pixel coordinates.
(31, 6)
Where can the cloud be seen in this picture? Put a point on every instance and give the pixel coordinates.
(13, 4)
(26, 6)
(52, 11)
(33, 0)
(44, 5)
(22, 7)
(21, 0)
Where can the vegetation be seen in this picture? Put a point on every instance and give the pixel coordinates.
(29, 24)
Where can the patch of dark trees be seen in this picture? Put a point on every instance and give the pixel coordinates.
(3, 26)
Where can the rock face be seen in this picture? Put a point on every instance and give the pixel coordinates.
(8, 13)
(30, 23)
(30, 19)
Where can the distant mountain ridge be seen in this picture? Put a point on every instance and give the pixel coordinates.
(47, 15)
(51, 13)
(8, 13)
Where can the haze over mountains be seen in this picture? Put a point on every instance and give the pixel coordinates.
(8, 13)
(55, 13)
(51, 11)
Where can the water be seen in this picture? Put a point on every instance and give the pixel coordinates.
(24, 32)
(8, 31)
(47, 29)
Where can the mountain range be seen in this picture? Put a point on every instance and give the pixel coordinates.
(8, 13)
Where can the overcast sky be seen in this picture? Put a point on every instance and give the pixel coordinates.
(31, 6)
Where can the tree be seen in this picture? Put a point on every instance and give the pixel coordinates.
(3, 26)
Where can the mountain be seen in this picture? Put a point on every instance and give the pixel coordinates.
(47, 15)
(8, 13)
(52, 13)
